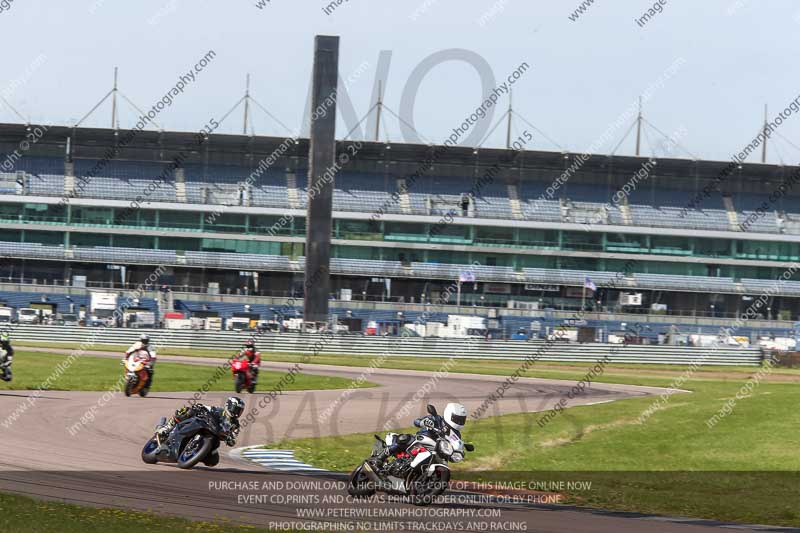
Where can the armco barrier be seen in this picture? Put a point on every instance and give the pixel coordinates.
(227, 342)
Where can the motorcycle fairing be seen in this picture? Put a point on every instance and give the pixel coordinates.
(187, 429)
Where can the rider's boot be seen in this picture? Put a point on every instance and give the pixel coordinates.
(379, 459)
(150, 373)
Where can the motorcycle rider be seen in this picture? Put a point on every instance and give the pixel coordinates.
(253, 357)
(6, 357)
(143, 344)
(453, 419)
(227, 418)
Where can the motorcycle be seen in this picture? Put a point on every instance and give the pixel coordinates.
(191, 441)
(242, 376)
(136, 373)
(5, 366)
(418, 470)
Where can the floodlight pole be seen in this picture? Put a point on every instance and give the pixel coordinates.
(246, 104)
(764, 146)
(639, 127)
(379, 104)
(114, 121)
(508, 130)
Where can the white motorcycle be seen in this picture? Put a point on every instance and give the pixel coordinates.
(418, 469)
(137, 372)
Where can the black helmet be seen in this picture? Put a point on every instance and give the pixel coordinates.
(144, 339)
(234, 407)
(250, 343)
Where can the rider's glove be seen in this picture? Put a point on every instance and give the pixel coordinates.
(428, 423)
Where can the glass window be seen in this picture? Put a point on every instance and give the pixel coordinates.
(179, 219)
(92, 215)
(10, 211)
(538, 237)
(90, 239)
(489, 235)
(134, 241)
(583, 240)
(225, 223)
(178, 243)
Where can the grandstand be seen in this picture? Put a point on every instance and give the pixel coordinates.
(401, 212)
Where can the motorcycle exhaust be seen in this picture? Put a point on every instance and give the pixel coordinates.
(371, 474)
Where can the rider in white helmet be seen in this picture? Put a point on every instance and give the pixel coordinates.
(453, 419)
(143, 344)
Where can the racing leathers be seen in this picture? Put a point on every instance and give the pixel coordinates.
(6, 358)
(401, 440)
(151, 363)
(229, 426)
(253, 360)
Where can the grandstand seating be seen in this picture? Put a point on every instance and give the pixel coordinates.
(430, 195)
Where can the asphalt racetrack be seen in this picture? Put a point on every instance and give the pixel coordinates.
(98, 462)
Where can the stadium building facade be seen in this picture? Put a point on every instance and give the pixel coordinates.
(699, 237)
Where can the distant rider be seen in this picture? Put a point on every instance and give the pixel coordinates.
(6, 356)
(143, 344)
(453, 419)
(253, 357)
(227, 418)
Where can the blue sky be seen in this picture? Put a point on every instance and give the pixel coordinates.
(739, 54)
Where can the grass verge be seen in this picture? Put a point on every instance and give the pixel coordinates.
(744, 469)
(95, 373)
(21, 514)
(614, 373)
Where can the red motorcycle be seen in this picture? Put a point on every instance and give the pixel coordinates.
(242, 376)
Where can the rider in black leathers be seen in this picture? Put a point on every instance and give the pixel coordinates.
(227, 418)
(5, 360)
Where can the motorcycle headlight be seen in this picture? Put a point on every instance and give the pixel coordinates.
(457, 457)
(444, 448)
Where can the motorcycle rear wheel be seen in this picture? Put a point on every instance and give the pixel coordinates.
(356, 483)
(198, 452)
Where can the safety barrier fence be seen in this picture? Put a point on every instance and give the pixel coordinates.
(307, 343)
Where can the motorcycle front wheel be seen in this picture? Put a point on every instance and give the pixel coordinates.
(149, 451)
(195, 451)
(239, 383)
(130, 384)
(441, 480)
(359, 483)
(421, 488)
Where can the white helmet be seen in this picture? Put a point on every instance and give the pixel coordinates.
(455, 415)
